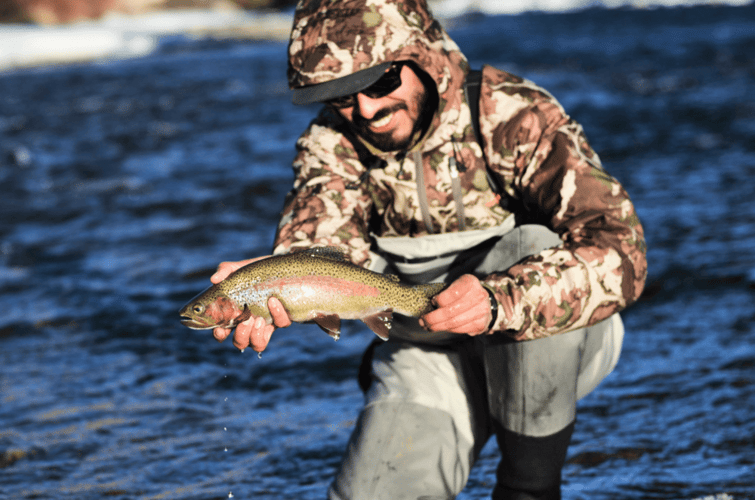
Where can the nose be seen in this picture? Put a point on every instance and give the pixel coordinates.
(368, 106)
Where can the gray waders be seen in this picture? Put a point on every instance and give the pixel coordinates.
(433, 401)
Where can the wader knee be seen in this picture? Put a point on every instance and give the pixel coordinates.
(530, 467)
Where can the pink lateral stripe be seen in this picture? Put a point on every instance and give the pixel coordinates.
(326, 284)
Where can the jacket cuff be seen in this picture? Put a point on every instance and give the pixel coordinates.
(494, 307)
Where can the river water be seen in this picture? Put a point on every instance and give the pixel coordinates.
(124, 183)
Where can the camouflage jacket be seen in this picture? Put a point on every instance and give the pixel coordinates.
(540, 156)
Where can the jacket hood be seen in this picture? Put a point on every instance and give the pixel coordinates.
(331, 39)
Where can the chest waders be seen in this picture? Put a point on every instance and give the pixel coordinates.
(432, 400)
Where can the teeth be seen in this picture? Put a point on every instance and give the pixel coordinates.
(383, 121)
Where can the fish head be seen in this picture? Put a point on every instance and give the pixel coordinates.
(211, 309)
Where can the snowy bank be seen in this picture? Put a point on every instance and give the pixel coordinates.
(118, 36)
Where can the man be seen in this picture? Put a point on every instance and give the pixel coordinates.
(393, 172)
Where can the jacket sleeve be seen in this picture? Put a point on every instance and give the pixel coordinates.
(328, 205)
(544, 161)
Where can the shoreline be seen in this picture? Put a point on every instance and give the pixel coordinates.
(120, 36)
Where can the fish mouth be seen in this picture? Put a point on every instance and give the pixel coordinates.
(195, 324)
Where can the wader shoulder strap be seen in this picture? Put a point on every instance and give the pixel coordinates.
(472, 86)
(472, 91)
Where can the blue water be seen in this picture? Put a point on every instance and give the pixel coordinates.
(123, 184)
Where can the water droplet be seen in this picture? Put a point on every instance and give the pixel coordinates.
(21, 156)
(242, 351)
(259, 355)
(230, 494)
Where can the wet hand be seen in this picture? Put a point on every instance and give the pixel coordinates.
(463, 307)
(255, 331)
(226, 268)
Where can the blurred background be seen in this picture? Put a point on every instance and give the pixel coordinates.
(143, 142)
(49, 12)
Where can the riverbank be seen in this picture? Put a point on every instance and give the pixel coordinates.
(118, 36)
(122, 34)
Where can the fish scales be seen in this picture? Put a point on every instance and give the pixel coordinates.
(317, 285)
(280, 275)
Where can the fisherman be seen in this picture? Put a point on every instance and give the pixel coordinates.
(415, 168)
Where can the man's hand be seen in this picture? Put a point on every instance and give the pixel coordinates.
(255, 331)
(463, 307)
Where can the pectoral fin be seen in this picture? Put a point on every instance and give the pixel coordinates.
(245, 315)
(330, 323)
(380, 323)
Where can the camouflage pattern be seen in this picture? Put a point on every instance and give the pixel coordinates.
(540, 155)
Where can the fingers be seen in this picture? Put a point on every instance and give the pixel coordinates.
(463, 307)
(278, 312)
(220, 334)
(254, 332)
(471, 321)
(226, 268)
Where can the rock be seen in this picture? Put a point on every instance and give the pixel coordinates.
(61, 11)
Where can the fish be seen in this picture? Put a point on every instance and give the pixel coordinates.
(317, 285)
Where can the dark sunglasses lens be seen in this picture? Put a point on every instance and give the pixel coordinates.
(387, 83)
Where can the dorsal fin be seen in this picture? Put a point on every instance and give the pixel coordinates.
(332, 253)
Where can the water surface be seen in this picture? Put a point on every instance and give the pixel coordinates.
(123, 184)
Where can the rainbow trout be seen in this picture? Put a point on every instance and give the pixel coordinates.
(318, 285)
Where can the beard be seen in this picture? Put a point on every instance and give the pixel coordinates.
(385, 141)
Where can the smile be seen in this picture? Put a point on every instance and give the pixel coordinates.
(382, 122)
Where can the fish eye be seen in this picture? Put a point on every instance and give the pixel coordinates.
(198, 309)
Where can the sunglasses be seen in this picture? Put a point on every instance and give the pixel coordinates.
(386, 84)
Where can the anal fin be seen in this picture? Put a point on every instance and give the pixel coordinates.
(330, 323)
(380, 323)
